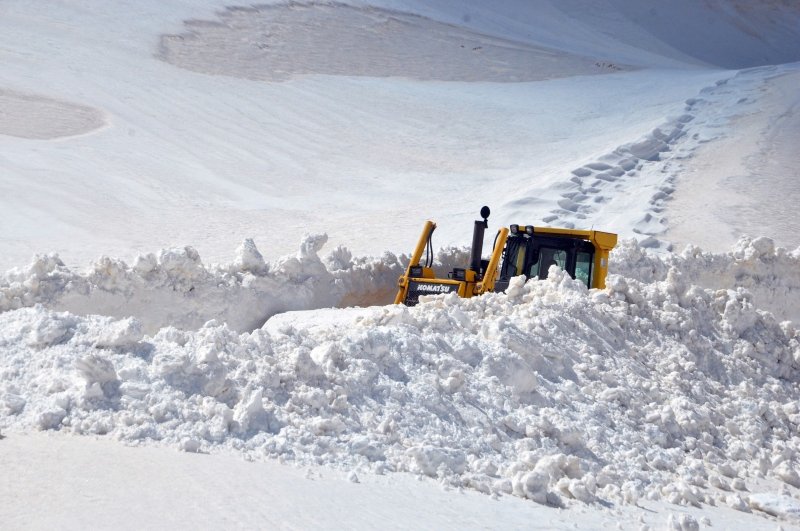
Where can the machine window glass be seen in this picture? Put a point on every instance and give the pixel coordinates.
(510, 267)
(548, 257)
(583, 268)
(533, 268)
(561, 259)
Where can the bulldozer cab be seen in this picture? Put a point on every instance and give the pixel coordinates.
(524, 250)
(531, 252)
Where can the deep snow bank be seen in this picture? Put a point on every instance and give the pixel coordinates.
(659, 389)
(771, 275)
(174, 287)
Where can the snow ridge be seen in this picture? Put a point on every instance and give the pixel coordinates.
(175, 288)
(770, 275)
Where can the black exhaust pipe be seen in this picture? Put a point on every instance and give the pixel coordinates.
(477, 240)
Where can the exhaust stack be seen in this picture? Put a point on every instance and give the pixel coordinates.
(477, 241)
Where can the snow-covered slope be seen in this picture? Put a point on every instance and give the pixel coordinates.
(721, 33)
(186, 158)
(668, 399)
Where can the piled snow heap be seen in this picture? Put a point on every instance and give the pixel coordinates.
(655, 387)
(174, 288)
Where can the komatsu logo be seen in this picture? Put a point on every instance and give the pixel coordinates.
(435, 288)
(416, 289)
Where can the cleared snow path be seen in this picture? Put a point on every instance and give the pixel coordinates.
(747, 182)
(99, 484)
(89, 483)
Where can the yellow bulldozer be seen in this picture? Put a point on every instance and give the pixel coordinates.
(524, 250)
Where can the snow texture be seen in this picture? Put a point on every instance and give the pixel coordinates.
(655, 388)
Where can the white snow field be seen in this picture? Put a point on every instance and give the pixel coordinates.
(147, 368)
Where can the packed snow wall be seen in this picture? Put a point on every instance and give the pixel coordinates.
(174, 287)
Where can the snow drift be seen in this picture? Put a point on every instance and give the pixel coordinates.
(174, 287)
(655, 387)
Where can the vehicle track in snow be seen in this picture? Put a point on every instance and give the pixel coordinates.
(641, 176)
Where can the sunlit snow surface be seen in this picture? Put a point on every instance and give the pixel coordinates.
(669, 399)
(207, 160)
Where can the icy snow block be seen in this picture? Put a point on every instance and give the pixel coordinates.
(248, 258)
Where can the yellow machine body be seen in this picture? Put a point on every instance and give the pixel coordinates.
(424, 278)
(517, 246)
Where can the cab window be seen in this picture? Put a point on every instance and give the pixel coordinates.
(514, 260)
(548, 257)
(583, 267)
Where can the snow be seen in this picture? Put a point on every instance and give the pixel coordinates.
(251, 382)
(740, 181)
(98, 483)
(268, 37)
(38, 118)
(207, 161)
(654, 389)
(175, 288)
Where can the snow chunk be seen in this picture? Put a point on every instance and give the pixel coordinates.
(682, 522)
(249, 259)
(120, 334)
(431, 461)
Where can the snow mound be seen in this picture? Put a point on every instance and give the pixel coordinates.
(652, 388)
(767, 277)
(174, 287)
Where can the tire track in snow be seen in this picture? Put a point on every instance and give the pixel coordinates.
(636, 179)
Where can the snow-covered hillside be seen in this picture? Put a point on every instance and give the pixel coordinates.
(167, 156)
(668, 399)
